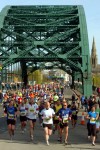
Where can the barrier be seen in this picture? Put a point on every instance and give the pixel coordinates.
(82, 119)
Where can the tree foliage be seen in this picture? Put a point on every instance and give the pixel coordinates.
(96, 80)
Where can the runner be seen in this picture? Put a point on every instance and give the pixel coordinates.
(41, 107)
(23, 119)
(82, 101)
(47, 115)
(98, 120)
(56, 108)
(74, 110)
(93, 116)
(64, 117)
(78, 101)
(11, 112)
(88, 128)
(32, 111)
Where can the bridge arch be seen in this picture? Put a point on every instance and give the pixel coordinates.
(40, 34)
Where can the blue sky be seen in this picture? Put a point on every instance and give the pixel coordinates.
(92, 11)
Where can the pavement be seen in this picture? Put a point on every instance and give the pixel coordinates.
(77, 137)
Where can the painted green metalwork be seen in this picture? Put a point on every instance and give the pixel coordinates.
(39, 34)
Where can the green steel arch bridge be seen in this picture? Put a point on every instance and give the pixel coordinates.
(39, 34)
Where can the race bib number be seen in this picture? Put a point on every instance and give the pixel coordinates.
(56, 117)
(10, 116)
(23, 113)
(92, 120)
(65, 119)
(31, 110)
(47, 119)
(74, 113)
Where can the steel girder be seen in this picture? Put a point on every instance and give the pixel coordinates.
(43, 34)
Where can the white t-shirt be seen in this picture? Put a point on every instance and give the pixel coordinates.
(22, 111)
(32, 111)
(47, 113)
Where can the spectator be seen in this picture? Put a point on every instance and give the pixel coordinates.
(82, 101)
(98, 90)
(1, 97)
(99, 101)
(73, 97)
(86, 104)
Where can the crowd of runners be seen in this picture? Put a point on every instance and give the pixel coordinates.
(54, 112)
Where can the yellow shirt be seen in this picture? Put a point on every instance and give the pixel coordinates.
(58, 107)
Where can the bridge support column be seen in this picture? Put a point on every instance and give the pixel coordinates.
(73, 79)
(24, 73)
(87, 87)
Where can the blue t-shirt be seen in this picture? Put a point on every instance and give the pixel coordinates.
(92, 116)
(11, 112)
(64, 114)
(82, 99)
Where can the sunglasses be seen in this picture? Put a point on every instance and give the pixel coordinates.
(64, 105)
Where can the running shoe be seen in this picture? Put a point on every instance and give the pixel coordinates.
(93, 144)
(66, 141)
(47, 142)
(89, 137)
(32, 137)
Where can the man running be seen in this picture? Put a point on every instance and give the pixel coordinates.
(74, 110)
(56, 108)
(64, 116)
(32, 111)
(47, 115)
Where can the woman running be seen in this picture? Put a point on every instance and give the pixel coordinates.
(74, 110)
(11, 112)
(92, 116)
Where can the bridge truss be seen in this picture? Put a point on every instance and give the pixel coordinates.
(34, 35)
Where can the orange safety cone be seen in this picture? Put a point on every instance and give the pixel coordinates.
(82, 120)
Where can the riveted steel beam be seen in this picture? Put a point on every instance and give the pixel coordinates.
(47, 33)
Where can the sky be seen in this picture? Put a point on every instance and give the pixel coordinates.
(92, 12)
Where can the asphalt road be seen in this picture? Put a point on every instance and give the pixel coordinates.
(77, 137)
